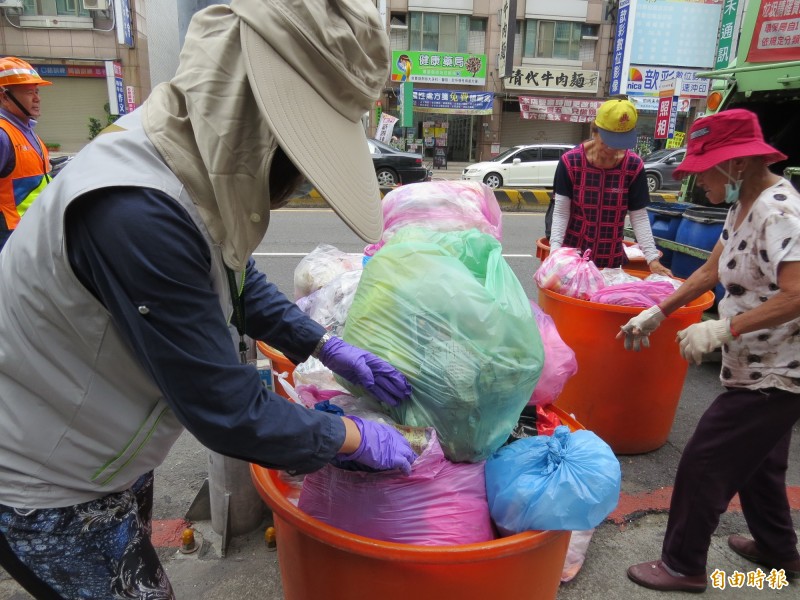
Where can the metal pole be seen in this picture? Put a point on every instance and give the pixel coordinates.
(228, 497)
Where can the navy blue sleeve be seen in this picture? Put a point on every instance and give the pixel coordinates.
(271, 317)
(135, 248)
(638, 194)
(562, 184)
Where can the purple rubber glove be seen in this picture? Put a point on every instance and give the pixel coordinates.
(382, 447)
(363, 368)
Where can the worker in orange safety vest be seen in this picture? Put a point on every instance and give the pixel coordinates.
(24, 161)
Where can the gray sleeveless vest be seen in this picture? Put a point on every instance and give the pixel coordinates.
(79, 416)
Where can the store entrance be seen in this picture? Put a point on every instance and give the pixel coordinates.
(462, 137)
(460, 134)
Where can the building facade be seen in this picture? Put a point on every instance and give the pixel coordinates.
(94, 51)
(454, 53)
(489, 74)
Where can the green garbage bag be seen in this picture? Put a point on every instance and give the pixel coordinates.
(447, 311)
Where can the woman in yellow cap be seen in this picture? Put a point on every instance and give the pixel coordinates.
(597, 184)
(24, 161)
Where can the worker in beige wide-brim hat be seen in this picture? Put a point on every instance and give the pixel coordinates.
(134, 293)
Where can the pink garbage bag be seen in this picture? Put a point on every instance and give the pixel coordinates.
(636, 293)
(565, 271)
(559, 360)
(441, 503)
(441, 206)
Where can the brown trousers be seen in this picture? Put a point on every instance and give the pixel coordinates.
(740, 445)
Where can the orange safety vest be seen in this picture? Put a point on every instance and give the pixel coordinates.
(21, 187)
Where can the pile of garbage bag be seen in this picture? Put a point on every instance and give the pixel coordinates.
(437, 300)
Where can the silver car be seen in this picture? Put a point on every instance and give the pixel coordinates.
(659, 167)
(532, 165)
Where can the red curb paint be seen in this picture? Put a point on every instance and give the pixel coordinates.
(167, 533)
(631, 506)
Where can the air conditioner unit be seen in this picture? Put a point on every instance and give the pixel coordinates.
(10, 3)
(95, 4)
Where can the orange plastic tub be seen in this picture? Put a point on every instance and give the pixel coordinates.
(627, 398)
(280, 364)
(543, 251)
(320, 561)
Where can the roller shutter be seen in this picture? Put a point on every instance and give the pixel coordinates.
(516, 130)
(66, 108)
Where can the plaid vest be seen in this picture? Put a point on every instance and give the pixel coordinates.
(599, 205)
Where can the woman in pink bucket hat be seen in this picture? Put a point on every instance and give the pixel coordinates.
(741, 443)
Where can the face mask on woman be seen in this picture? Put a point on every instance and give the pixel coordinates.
(731, 189)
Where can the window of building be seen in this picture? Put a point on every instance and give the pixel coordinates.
(71, 7)
(552, 39)
(62, 7)
(433, 32)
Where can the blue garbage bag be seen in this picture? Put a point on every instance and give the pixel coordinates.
(567, 481)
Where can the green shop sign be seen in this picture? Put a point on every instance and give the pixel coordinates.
(439, 67)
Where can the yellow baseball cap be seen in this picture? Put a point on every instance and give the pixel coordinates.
(616, 122)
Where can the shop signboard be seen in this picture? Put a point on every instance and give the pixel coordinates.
(47, 71)
(667, 115)
(439, 67)
(385, 128)
(130, 97)
(571, 110)
(116, 88)
(725, 35)
(644, 80)
(650, 104)
(677, 140)
(676, 32)
(124, 22)
(776, 35)
(621, 51)
(453, 102)
(551, 78)
(508, 24)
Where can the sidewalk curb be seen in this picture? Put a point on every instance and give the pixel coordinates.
(509, 199)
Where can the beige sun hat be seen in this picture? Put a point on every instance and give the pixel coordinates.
(315, 67)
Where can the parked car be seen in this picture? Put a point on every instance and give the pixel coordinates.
(659, 166)
(531, 165)
(394, 167)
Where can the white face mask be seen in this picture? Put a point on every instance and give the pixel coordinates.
(731, 189)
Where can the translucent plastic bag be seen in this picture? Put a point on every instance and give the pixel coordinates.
(566, 272)
(441, 206)
(559, 360)
(576, 554)
(440, 503)
(567, 481)
(448, 312)
(320, 266)
(329, 305)
(615, 275)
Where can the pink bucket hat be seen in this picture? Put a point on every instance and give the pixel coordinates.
(732, 133)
